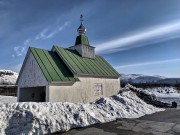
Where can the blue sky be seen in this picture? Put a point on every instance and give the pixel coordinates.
(135, 36)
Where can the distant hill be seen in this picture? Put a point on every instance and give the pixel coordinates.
(139, 78)
(170, 80)
(8, 77)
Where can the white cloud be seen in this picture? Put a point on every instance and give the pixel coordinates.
(147, 63)
(141, 38)
(44, 34)
(48, 33)
(60, 28)
(26, 42)
(19, 50)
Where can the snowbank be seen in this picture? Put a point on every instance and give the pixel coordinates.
(43, 118)
(159, 92)
(8, 99)
(8, 77)
(163, 92)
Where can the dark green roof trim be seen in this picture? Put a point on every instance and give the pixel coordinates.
(52, 66)
(82, 39)
(97, 67)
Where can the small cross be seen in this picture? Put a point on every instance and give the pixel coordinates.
(81, 18)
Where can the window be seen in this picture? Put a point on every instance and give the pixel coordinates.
(98, 89)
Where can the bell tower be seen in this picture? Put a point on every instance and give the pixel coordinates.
(82, 45)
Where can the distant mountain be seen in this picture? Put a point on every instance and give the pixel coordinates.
(139, 78)
(170, 80)
(8, 77)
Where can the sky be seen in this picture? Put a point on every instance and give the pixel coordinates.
(134, 36)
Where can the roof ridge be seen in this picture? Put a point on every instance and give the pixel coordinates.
(38, 48)
(78, 64)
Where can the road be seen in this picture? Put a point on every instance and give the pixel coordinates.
(160, 123)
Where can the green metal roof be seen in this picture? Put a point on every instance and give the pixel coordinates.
(86, 66)
(82, 39)
(53, 68)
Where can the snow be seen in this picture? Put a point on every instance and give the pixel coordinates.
(8, 77)
(44, 118)
(163, 92)
(8, 99)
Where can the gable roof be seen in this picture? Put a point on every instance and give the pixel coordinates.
(97, 67)
(60, 65)
(52, 66)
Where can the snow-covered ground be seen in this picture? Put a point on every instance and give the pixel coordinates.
(165, 94)
(8, 77)
(8, 99)
(43, 118)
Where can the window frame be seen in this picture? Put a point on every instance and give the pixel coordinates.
(98, 89)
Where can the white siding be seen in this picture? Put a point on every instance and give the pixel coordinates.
(31, 76)
(84, 50)
(84, 90)
(88, 51)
